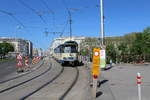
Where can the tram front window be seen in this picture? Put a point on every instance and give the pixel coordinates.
(67, 50)
(71, 49)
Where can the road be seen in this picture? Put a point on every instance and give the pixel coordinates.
(119, 82)
(7, 68)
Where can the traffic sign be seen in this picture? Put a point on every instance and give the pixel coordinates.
(96, 62)
(102, 58)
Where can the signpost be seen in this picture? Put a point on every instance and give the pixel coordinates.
(102, 59)
(95, 69)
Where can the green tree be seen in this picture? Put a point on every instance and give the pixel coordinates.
(111, 53)
(5, 48)
(124, 52)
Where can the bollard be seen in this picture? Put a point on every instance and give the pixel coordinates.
(139, 85)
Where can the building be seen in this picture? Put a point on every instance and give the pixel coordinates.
(37, 52)
(21, 46)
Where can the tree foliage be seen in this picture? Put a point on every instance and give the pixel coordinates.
(5, 48)
(133, 47)
(111, 53)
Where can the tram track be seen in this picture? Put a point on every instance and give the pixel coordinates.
(42, 86)
(18, 76)
(71, 86)
(34, 86)
(23, 82)
(58, 81)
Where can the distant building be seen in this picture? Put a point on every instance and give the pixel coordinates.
(21, 46)
(37, 52)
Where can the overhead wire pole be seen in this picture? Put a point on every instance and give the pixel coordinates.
(102, 23)
(70, 18)
(70, 22)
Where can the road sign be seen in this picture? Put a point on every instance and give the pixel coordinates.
(102, 58)
(96, 62)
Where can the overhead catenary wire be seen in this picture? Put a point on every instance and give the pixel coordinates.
(12, 15)
(70, 17)
(64, 28)
(51, 12)
(33, 10)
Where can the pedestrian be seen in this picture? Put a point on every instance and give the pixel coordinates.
(110, 62)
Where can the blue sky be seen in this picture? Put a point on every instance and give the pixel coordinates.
(121, 17)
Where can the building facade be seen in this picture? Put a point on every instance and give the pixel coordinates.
(21, 46)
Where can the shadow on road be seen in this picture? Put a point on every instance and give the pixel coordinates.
(108, 68)
(102, 82)
(99, 93)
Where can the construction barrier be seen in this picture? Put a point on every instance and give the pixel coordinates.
(36, 60)
(19, 64)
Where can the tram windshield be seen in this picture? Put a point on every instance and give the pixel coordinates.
(70, 49)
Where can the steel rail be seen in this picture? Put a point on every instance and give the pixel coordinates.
(21, 83)
(71, 86)
(42, 86)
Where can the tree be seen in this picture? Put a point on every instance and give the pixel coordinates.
(5, 48)
(111, 52)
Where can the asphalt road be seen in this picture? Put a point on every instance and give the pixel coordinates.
(6, 68)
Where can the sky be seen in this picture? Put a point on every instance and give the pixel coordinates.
(31, 19)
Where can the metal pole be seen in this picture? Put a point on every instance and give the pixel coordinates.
(139, 85)
(102, 22)
(70, 21)
(94, 88)
(139, 91)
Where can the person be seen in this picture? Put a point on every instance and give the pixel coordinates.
(110, 62)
